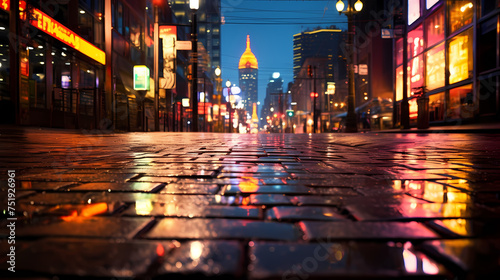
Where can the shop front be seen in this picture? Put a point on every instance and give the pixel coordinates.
(446, 64)
(61, 75)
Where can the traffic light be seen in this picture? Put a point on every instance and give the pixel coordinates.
(290, 113)
(314, 94)
(309, 71)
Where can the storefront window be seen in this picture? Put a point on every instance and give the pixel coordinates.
(431, 3)
(4, 58)
(135, 32)
(413, 11)
(415, 41)
(487, 6)
(416, 74)
(399, 51)
(434, 25)
(36, 54)
(487, 46)
(436, 107)
(61, 68)
(85, 25)
(413, 108)
(399, 83)
(461, 13)
(460, 56)
(118, 17)
(461, 103)
(435, 68)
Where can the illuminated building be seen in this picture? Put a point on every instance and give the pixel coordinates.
(372, 53)
(321, 42)
(320, 48)
(80, 74)
(454, 56)
(248, 77)
(274, 101)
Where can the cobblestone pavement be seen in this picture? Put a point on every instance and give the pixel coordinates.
(267, 206)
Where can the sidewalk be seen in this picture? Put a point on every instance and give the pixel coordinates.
(98, 205)
(464, 128)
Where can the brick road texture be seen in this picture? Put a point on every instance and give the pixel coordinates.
(92, 204)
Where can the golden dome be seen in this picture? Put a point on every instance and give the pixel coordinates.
(248, 59)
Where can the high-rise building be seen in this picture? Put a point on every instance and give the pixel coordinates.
(318, 64)
(321, 42)
(248, 76)
(274, 102)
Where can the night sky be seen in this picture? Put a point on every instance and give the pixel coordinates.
(271, 25)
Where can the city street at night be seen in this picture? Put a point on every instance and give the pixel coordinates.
(92, 204)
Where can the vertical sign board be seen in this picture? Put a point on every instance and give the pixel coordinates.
(5, 4)
(141, 77)
(168, 35)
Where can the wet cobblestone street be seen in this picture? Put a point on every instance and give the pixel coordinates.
(235, 206)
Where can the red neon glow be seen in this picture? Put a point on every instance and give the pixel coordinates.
(160, 251)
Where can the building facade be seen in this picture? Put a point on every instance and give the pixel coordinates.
(321, 42)
(274, 104)
(71, 65)
(452, 60)
(248, 69)
(319, 64)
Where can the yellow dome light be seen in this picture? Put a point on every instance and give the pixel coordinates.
(248, 59)
(358, 6)
(340, 6)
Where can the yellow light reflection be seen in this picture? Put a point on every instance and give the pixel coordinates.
(433, 192)
(143, 207)
(249, 184)
(458, 226)
(87, 211)
(196, 250)
(94, 209)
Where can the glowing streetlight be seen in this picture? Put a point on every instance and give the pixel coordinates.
(194, 5)
(351, 120)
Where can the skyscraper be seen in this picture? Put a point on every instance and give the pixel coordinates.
(322, 42)
(248, 76)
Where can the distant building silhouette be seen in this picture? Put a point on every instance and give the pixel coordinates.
(248, 77)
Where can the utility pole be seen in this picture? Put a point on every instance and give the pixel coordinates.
(315, 115)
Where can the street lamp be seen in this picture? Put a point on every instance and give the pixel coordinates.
(351, 120)
(217, 74)
(155, 66)
(194, 5)
(228, 85)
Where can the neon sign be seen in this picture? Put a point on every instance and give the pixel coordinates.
(48, 25)
(5, 4)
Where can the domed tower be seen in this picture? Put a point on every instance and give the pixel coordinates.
(248, 70)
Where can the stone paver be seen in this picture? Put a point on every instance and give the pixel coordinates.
(268, 206)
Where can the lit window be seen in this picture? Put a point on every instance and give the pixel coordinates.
(434, 25)
(415, 41)
(431, 3)
(435, 68)
(413, 11)
(460, 56)
(461, 13)
(460, 104)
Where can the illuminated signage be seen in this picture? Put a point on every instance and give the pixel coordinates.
(330, 88)
(141, 77)
(168, 34)
(5, 4)
(48, 25)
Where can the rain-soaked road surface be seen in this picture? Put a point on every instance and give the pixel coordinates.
(269, 206)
